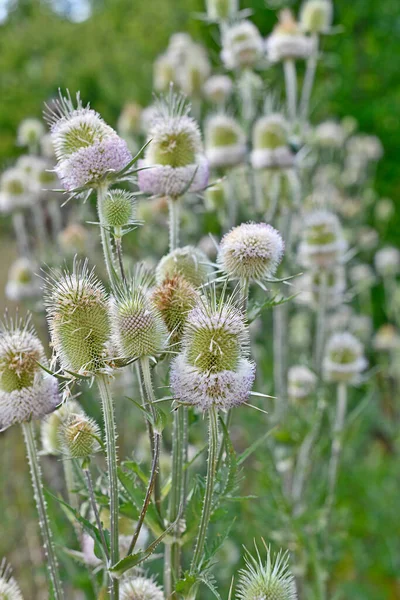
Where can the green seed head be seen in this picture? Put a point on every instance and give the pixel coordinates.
(188, 262)
(175, 298)
(175, 144)
(223, 131)
(316, 16)
(118, 208)
(50, 427)
(270, 132)
(79, 436)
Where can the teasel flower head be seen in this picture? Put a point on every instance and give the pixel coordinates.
(119, 208)
(323, 244)
(330, 281)
(301, 382)
(22, 282)
(251, 251)
(270, 143)
(194, 71)
(287, 41)
(221, 10)
(329, 134)
(386, 339)
(242, 45)
(26, 392)
(344, 358)
(174, 160)
(79, 436)
(140, 588)
(225, 141)
(138, 329)
(74, 239)
(188, 262)
(77, 313)
(50, 426)
(387, 261)
(316, 16)
(175, 297)
(212, 368)
(218, 89)
(15, 191)
(266, 580)
(88, 150)
(9, 588)
(30, 132)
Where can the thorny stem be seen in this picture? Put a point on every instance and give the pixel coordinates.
(105, 237)
(96, 512)
(111, 453)
(341, 408)
(118, 250)
(210, 482)
(321, 322)
(144, 362)
(309, 81)
(174, 205)
(70, 481)
(36, 474)
(289, 69)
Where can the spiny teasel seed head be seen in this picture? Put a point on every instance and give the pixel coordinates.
(251, 251)
(15, 191)
(141, 588)
(218, 88)
(77, 312)
(242, 45)
(322, 244)
(225, 141)
(138, 329)
(221, 10)
(29, 132)
(22, 282)
(118, 208)
(188, 262)
(271, 131)
(266, 580)
(316, 16)
(287, 41)
(344, 358)
(9, 588)
(50, 427)
(175, 297)
(79, 436)
(87, 149)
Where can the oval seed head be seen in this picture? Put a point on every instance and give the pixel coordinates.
(218, 88)
(287, 41)
(141, 588)
(344, 358)
(22, 282)
(269, 580)
(50, 427)
(242, 45)
(188, 262)
(118, 208)
(15, 191)
(270, 132)
(323, 244)
(175, 297)
(316, 16)
(251, 251)
(225, 141)
(25, 391)
(138, 329)
(301, 382)
(222, 10)
(77, 312)
(30, 131)
(9, 588)
(79, 436)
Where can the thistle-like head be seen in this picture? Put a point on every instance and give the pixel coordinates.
(188, 262)
(316, 16)
(79, 436)
(9, 588)
(29, 133)
(225, 141)
(118, 208)
(175, 297)
(141, 588)
(251, 251)
(77, 312)
(51, 426)
(242, 45)
(344, 358)
(270, 132)
(15, 191)
(221, 10)
(323, 244)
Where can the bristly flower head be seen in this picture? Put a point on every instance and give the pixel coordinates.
(174, 161)
(79, 436)
(316, 16)
(25, 391)
(225, 141)
(218, 88)
(87, 149)
(138, 329)
(15, 191)
(287, 41)
(50, 427)
(22, 282)
(77, 312)
(118, 208)
(242, 45)
(188, 262)
(344, 358)
(323, 244)
(251, 251)
(221, 10)
(141, 588)
(270, 143)
(29, 133)
(213, 368)
(269, 580)
(9, 588)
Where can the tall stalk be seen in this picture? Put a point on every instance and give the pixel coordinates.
(320, 332)
(111, 453)
(106, 237)
(341, 409)
(174, 205)
(289, 69)
(309, 80)
(36, 474)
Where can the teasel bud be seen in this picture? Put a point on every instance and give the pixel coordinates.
(175, 152)
(387, 261)
(269, 580)
(221, 10)
(344, 358)
(175, 297)
(79, 436)
(188, 262)
(138, 329)
(30, 132)
(140, 588)
(88, 150)
(242, 45)
(287, 42)
(50, 427)
(119, 208)
(9, 588)
(251, 251)
(26, 392)
(225, 141)
(301, 382)
(218, 89)
(212, 368)
(15, 191)
(22, 282)
(316, 16)
(77, 313)
(270, 143)
(74, 239)
(323, 244)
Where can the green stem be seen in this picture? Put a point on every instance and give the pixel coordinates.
(36, 474)
(173, 204)
(118, 250)
(68, 467)
(341, 408)
(321, 322)
(210, 482)
(106, 237)
(111, 452)
(289, 69)
(89, 484)
(309, 81)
